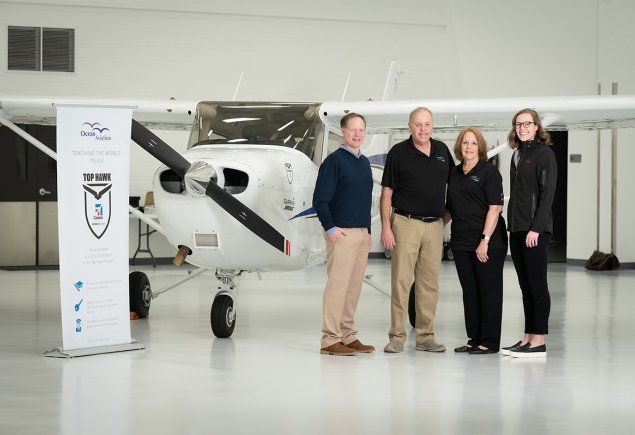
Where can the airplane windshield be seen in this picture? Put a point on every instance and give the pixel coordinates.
(292, 125)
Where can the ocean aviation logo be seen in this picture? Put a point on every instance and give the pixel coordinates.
(95, 130)
(97, 202)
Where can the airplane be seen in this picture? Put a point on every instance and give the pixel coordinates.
(239, 199)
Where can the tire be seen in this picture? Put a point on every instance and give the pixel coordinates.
(412, 312)
(140, 294)
(223, 316)
(449, 254)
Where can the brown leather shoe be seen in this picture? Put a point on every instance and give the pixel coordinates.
(338, 349)
(363, 348)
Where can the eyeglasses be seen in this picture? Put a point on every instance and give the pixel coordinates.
(525, 124)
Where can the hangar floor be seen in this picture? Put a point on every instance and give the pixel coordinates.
(270, 378)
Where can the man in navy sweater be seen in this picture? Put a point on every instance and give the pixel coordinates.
(342, 201)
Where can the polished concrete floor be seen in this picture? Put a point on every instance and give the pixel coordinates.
(269, 378)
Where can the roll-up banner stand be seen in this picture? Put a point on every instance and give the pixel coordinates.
(93, 173)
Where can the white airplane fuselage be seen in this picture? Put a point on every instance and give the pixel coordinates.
(275, 182)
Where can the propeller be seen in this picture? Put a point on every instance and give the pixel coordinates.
(159, 149)
(239, 211)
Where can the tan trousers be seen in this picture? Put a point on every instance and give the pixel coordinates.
(346, 264)
(418, 254)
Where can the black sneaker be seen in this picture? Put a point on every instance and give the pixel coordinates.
(529, 352)
(506, 350)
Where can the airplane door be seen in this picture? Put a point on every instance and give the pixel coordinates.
(28, 199)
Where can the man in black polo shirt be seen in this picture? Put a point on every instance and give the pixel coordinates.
(414, 185)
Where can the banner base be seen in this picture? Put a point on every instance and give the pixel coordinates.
(58, 352)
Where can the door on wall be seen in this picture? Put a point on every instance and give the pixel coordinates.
(28, 199)
(558, 247)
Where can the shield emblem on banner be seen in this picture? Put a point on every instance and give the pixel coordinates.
(97, 203)
(289, 172)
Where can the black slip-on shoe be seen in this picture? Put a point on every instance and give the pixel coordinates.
(506, 350)
(529, 352)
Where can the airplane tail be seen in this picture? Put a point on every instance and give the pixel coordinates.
(392, 82)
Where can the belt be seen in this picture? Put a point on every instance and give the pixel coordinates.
(425, 219)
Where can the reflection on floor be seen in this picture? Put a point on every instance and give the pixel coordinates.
(270, 378)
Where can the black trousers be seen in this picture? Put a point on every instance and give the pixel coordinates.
(482, 285)
(531, 268)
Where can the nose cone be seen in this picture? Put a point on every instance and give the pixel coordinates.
(198, 177)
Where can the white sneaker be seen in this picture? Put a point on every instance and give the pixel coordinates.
(431, 346)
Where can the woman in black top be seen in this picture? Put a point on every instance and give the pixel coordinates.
(533, 186)
(479, 240)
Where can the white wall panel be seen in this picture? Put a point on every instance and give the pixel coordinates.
(625, 208)
(582, 199)
(155, 54)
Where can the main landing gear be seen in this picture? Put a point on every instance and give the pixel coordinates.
(222, 312)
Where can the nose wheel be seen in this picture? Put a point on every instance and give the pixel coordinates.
(223, 316)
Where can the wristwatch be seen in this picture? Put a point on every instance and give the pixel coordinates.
(484, 237)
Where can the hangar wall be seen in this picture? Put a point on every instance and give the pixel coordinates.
(297, 51)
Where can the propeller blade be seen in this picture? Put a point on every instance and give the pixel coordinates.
(243, 214)
(159, 149)
(251, 220)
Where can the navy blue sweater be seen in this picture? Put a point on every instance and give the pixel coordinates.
(343, 191)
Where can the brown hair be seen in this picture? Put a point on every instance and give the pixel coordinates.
(480, 140)
(512, 137)
(345, 118)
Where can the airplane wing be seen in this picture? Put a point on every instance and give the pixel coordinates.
(165, 114)
(386, 116)
(490, 114)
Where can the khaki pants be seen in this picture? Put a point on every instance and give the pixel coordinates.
(418, 254)
(346, 264)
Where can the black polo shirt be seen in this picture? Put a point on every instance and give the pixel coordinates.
(469, 198)
(418, 181)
